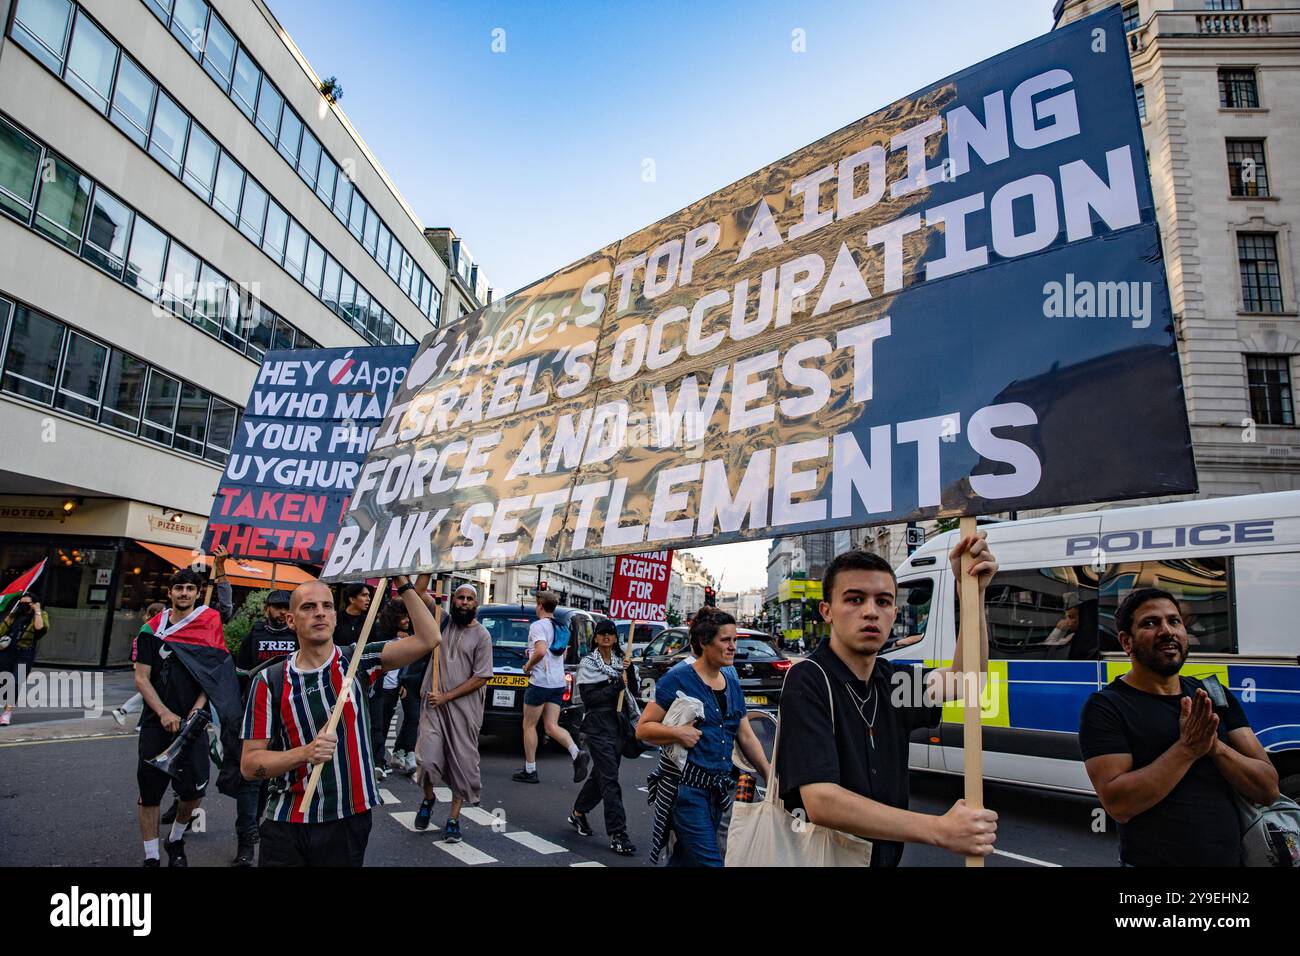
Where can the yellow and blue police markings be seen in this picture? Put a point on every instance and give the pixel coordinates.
(1049, 695)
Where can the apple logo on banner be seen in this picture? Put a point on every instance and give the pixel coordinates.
(425, 366)
(341, 369)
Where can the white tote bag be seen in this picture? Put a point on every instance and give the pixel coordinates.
(765, 834)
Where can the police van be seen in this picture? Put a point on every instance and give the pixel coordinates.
(1233, 564)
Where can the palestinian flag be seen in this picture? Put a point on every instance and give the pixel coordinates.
(199, 644)
(18, 587)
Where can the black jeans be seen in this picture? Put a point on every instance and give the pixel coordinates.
(602, 783)
(410, 729)
(382, 705)
(336, 843)
(250, 804)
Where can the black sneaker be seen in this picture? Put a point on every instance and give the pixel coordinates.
(176, 853)
(424, 813)
(581, 764)
(621, 845)
(579, 822)
(151, 862)
(526, 776)
(244, 855)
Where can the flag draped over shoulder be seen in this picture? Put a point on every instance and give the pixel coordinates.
(18, 587)
(199, 644)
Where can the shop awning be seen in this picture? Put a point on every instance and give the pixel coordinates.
(244, 572)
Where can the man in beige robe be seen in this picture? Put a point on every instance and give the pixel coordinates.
(451, 713)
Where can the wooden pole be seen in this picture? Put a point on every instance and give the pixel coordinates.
(973, 730)
(337, 713)
(437, 658)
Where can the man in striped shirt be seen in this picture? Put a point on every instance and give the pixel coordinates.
(289, 706)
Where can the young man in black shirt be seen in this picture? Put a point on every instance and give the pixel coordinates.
(171, 693)
(356, 602)
(1163, 760)
(847, 714)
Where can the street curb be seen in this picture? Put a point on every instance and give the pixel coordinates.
(75, 728)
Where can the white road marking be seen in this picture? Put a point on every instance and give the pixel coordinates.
(534, 842)
(407, 819)
(644, 789)
(587, 863)
(465, 853)
(443, 794)
(387, 796)
(478, 815)
(1025, 859)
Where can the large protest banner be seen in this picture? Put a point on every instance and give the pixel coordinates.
(956, 305)
(311, 418)
(639, 591)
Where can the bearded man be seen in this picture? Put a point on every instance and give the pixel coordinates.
(1163, 758)
(451, 713)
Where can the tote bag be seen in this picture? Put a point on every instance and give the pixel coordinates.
(766, 834)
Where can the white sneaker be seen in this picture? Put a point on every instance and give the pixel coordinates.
(409, 765)
(380, 775)
(120, 716)
(397, 759)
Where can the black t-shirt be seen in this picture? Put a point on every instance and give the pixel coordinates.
(1196, 824)
(721, 697)
(265, 644)
(810, 751)
(176, 687)
(347, 628)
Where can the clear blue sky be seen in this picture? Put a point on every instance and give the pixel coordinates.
(535, 155)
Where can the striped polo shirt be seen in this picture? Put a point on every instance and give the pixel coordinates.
(347, 783)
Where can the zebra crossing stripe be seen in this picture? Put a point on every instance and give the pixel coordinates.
(534, 842)
(407, 819)
(443, 794)
(479, 815)
(587, 863)
(387, 796)
(465, 853)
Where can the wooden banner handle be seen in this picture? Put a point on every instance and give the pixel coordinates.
(437, 658)
(337, 713)
(973, 730)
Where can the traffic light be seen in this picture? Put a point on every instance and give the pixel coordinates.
(710, 598)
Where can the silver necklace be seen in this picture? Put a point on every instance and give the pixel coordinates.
(860, 703)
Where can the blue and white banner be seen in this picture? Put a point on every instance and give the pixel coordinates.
(956, 305)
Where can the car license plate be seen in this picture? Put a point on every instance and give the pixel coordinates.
(503, 698)
(755, 699)
(508, 680)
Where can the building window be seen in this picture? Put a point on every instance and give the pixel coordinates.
(42, 27)
(244, 88)
(269, 105)
(296, 251)
(32, 362)
(221, 432)
(133, 98)
(83, 376)
(123, 392)
(315, 263)
(1132, 17)
(211, 300)
(110, 224)
(144, 263)
(1269, 379)
(1247, 173)
(290, 136)
(1261, 277)
(182, 279)
(190, 25)
(1238, 89)
(61, 209)
(229, 189)
(252, 211)
(160, 407)
(1140, 91)
(192, 420)
(325, 184)
(200, 163)
(20, 160)
(309, 158)
(171, 128)
(1223, 4)
(219, 53)
(92, 61)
